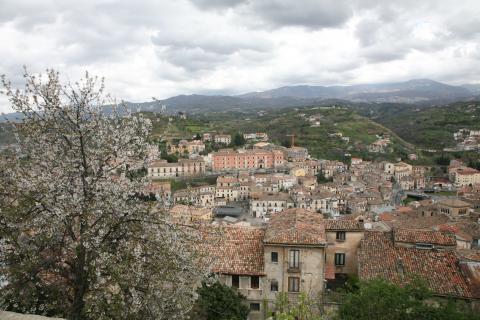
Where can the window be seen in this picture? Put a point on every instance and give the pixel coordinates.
(254, 282)
(254, 306)
(274, 285)
(274, 256)
(294, 261)
(236, 281)
(293, 284)
(339, 259)
(341, 235)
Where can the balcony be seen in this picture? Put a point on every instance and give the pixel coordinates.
(252, 294)
(294, 269)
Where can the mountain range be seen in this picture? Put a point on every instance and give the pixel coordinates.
(421, 92)
(418, 91)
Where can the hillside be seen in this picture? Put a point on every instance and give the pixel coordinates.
(320, 140)
(432, 127)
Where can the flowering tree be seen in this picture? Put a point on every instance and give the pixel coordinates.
(76, 239)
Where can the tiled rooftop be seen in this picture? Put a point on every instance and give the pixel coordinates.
(296, 226)
(380, 258)
(236, 250)
(424, 236)
(331, 224)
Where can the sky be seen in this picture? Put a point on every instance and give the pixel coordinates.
(162, 48)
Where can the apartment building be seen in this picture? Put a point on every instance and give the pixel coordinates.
(225, 139)
(264, 204)
(161, 169)
(228, 159)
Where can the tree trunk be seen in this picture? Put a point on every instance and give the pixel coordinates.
(80, 285)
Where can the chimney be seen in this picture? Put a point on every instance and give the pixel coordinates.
(399, 265)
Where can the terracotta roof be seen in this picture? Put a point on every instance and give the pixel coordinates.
(379, 258)
(236, 250)
(424, 236)
(419, 222)
(296, 227)
(456, 203)
(331, 224)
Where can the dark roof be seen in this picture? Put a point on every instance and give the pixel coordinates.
(296, 227)
(231, 211)
(380, 258)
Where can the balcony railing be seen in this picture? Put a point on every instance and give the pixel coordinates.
(291, 268)
(254, 294)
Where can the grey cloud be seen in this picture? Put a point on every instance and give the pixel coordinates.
(200, 50)
(216, 4)
(312, 14)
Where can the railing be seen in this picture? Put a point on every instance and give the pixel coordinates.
(294, 268)
(254, 294)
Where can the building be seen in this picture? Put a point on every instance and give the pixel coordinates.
(228, 159)
(225, 139)
(265, 204)
(399, 258)
(206, 137)
(453, 207)
(256, 136)
(161, 169)
(466, 177)
(343, 238)
(185, 214)
(288, 255)
(187, 147)
(297, 154)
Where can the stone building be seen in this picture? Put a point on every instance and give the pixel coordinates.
(343, 241)
(162, 169)
(288, 255)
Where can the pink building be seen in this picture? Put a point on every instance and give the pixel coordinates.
(228, 159)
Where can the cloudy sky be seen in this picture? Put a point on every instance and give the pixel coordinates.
(163, 48)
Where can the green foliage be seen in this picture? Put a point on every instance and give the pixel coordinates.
(171, 158)
(322, 179)
(303, 309)
(442, 160)
(220, 302)
(378, 300)
(238, 139)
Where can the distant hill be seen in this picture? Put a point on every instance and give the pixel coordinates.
(421, 92)
(407, 92)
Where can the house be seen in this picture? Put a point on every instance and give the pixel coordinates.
(184, 214)
(265, 204)
(297, 154)
(343, 238)
(287, 255)
(206, 137)
(162, 169)
(225, 139)
(187, 147)
(453, 207)
(402, 257)
(256, 136)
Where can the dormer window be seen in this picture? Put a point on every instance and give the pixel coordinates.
(424, 246)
